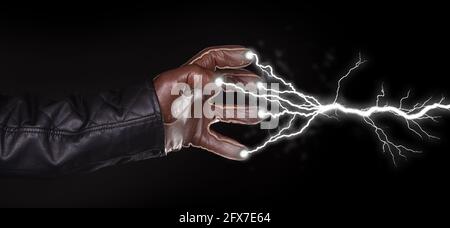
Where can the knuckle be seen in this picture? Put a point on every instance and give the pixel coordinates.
(195, 68)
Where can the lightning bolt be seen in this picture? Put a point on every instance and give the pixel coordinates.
(307, 107)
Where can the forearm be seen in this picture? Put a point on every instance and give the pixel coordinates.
(79, 134)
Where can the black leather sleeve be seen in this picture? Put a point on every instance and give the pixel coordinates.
(40, 137)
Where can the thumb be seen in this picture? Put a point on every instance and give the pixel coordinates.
(222, 145)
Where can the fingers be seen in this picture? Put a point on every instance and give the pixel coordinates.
(221, 57)
(239, 76)
(222, 145)
(242, 78)
(238, 113)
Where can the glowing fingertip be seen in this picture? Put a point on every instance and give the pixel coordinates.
(219, 81)
(249, 55)
(244, 154)
(262, 114)
(259, 85)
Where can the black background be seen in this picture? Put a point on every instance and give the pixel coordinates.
(53, 50)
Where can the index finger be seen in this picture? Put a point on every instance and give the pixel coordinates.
(222, 57)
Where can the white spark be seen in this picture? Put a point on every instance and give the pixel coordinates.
(219, 81)
(244, 154)
(249, 55)
(357, 64)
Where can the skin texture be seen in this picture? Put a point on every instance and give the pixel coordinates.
(226, 62)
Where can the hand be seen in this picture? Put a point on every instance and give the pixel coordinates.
(184, 131)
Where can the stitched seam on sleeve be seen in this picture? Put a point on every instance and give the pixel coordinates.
(102, 127)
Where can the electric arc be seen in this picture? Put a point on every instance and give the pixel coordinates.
(296, 105)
